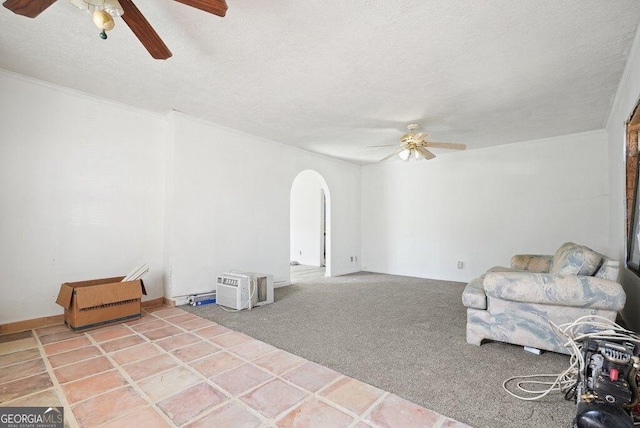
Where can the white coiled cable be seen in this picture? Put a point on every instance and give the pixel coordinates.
(603, 329)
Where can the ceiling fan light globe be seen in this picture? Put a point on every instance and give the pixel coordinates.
(103, 20)
(405, 154)
(417, 154)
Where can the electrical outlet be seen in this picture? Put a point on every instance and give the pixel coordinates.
(351, 258)
(460, 265)
(300, 252)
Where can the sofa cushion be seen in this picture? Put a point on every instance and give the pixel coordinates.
(532, 263)
(608, 269)
(574, 259)
(556, 290)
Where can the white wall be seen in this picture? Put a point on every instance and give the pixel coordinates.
(81, 189)
(483, 206)
(92, 189)
(626, 100)
(306, 219)
(229, 207)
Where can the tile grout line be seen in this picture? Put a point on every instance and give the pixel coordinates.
(22, 377)
(22, 346)
(236, 398)
(290, 409)
(316, 395)
(52, 388)
(19, 362)
(104, 353)
(95, 344)
(71, 418)
(367, 412)
(356, 417)
(288, 382)
(185, 365)
(74, 362)
(130, 382)
(441, 420)
(230, 397)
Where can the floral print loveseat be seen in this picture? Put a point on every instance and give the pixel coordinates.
(515, 304)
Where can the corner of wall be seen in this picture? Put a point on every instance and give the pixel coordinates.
(625, 100)
(167, 248)
(628, 75)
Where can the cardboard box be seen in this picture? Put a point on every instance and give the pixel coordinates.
(99, 302)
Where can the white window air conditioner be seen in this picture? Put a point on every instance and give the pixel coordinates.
(244, 290)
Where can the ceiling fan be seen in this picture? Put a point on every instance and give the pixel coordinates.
(104, 10)
(416, 144)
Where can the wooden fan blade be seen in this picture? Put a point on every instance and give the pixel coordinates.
(216, 7)
(426, 153)
(385, 145)
(28, 8)
(391, 155)
(144, 31)
(452, 146)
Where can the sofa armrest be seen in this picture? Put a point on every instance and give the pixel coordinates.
(560, 290)
(532, 262)
(473, 295)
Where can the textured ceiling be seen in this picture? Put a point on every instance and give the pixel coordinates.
(336, 76)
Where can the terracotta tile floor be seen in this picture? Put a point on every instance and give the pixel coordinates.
(174, 369)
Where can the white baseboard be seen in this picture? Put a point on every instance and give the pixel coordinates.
(279, 284)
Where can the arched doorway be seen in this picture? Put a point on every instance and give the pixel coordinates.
(310, 226)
